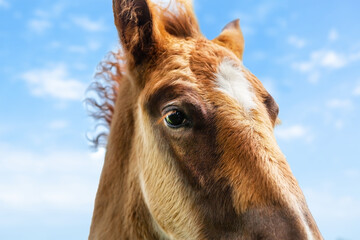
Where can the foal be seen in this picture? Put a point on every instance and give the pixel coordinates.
(191, 152)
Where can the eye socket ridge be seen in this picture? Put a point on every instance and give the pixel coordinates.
(175, 118)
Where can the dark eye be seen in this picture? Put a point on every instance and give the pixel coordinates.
(175, 119)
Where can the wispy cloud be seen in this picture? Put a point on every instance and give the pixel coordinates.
(54, 11)
(339, 103)
(296, 41)
(257, 15)
(89, 24)
(27, 194)
(90, 46)
(335, 203)
(58, 180)
(321, 60)
(77, 49)
(58, 124)
(333, 35)
(4, 4)
(54, 82)
(292, 132)
(339, 124)
(39, 25)
(356, 91)
(347, 207)
(263, 10)
(43, 20)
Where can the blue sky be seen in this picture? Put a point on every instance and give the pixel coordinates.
(307, 53)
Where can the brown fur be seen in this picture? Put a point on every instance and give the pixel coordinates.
(222, 176)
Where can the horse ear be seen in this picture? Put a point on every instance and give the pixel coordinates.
(134, 22)
(232, 38)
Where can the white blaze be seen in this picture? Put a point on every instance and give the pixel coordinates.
(232, 81)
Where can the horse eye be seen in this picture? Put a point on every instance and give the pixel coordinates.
(175, 119)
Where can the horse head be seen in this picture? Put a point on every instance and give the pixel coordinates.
(191, 152)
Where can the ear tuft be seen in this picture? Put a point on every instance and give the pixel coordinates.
(232, 38)
(179, 19)
(133, 20)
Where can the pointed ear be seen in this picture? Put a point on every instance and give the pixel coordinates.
(134, 22)
(232, 38)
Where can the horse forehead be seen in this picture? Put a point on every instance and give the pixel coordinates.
(231, 80)
(206, 67)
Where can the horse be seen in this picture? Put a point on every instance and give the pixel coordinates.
(191, 151)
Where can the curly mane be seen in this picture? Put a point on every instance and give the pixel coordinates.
(101, 103)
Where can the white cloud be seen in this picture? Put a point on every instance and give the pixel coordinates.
(321, 59)
(5, 128)
(43, 19)
(354, 57)
(98, 155)
(58, 124)
(356, 91)
(90, 46)
(325, 59)
(330, 59)
(54, 11)
(339, 103)
(88, 24)
(296, 41)
(54, 82)
(314, 77)
(335, 207)
(54, 44)
(4, 4)
(56, 180)
(322, 204)
(333, 35)
(291, 132)
(339, 124)
(77, 49)
(29, 193)
(39, 25)
(353, 174)
(93, 45)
